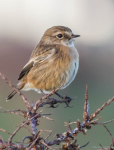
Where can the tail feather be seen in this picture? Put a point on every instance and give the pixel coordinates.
(20, 86)
(11, 95)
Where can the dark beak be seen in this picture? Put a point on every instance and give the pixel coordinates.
(74, 36)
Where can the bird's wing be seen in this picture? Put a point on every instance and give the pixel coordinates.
(26, 69)
(38, 59)
(41, 49)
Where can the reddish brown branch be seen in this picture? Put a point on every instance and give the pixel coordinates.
(112, 144)
(23, 113)
(21, 125)
(88, 119)
(22, 96)
(4, 145)
(86, 107)
(39, 102)
(5, 131)
(32, 118)
(92, 116)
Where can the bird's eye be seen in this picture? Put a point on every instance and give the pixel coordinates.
(60, 36)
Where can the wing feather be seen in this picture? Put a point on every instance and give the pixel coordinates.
(25, 70)
(33, 61)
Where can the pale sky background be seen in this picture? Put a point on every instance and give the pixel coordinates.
(28, 19)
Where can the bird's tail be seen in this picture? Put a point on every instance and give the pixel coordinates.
(20, 86)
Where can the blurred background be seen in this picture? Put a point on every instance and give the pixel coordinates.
(22, 24)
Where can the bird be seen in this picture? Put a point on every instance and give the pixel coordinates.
(53, 63)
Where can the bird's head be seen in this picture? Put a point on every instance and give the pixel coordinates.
(59, 35)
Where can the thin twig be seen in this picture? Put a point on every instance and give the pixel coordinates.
(21, 125)
(48, 118)
(70, 123)
(109, 134)
(48, 136)
(28, 130)
(33, 143)
(46, 145)
(105, 122)
(5, 131)
(37, 105)
(92, 116)
(84, 145)
(17, 90)
(101, 146)
(5, 145)
(46, 130)
(11, 112)
(95, 121)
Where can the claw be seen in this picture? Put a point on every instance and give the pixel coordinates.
(67, 105)
(53, 106)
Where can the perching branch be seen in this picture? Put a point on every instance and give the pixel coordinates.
(32, 118)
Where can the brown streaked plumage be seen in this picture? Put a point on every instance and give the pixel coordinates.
(53, 63)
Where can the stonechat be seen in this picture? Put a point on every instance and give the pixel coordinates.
(54, 62)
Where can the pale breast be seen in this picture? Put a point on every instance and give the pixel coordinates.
(73, 67)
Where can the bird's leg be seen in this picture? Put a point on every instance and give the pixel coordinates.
(42, 92)
(59, 95)
(55, 93)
